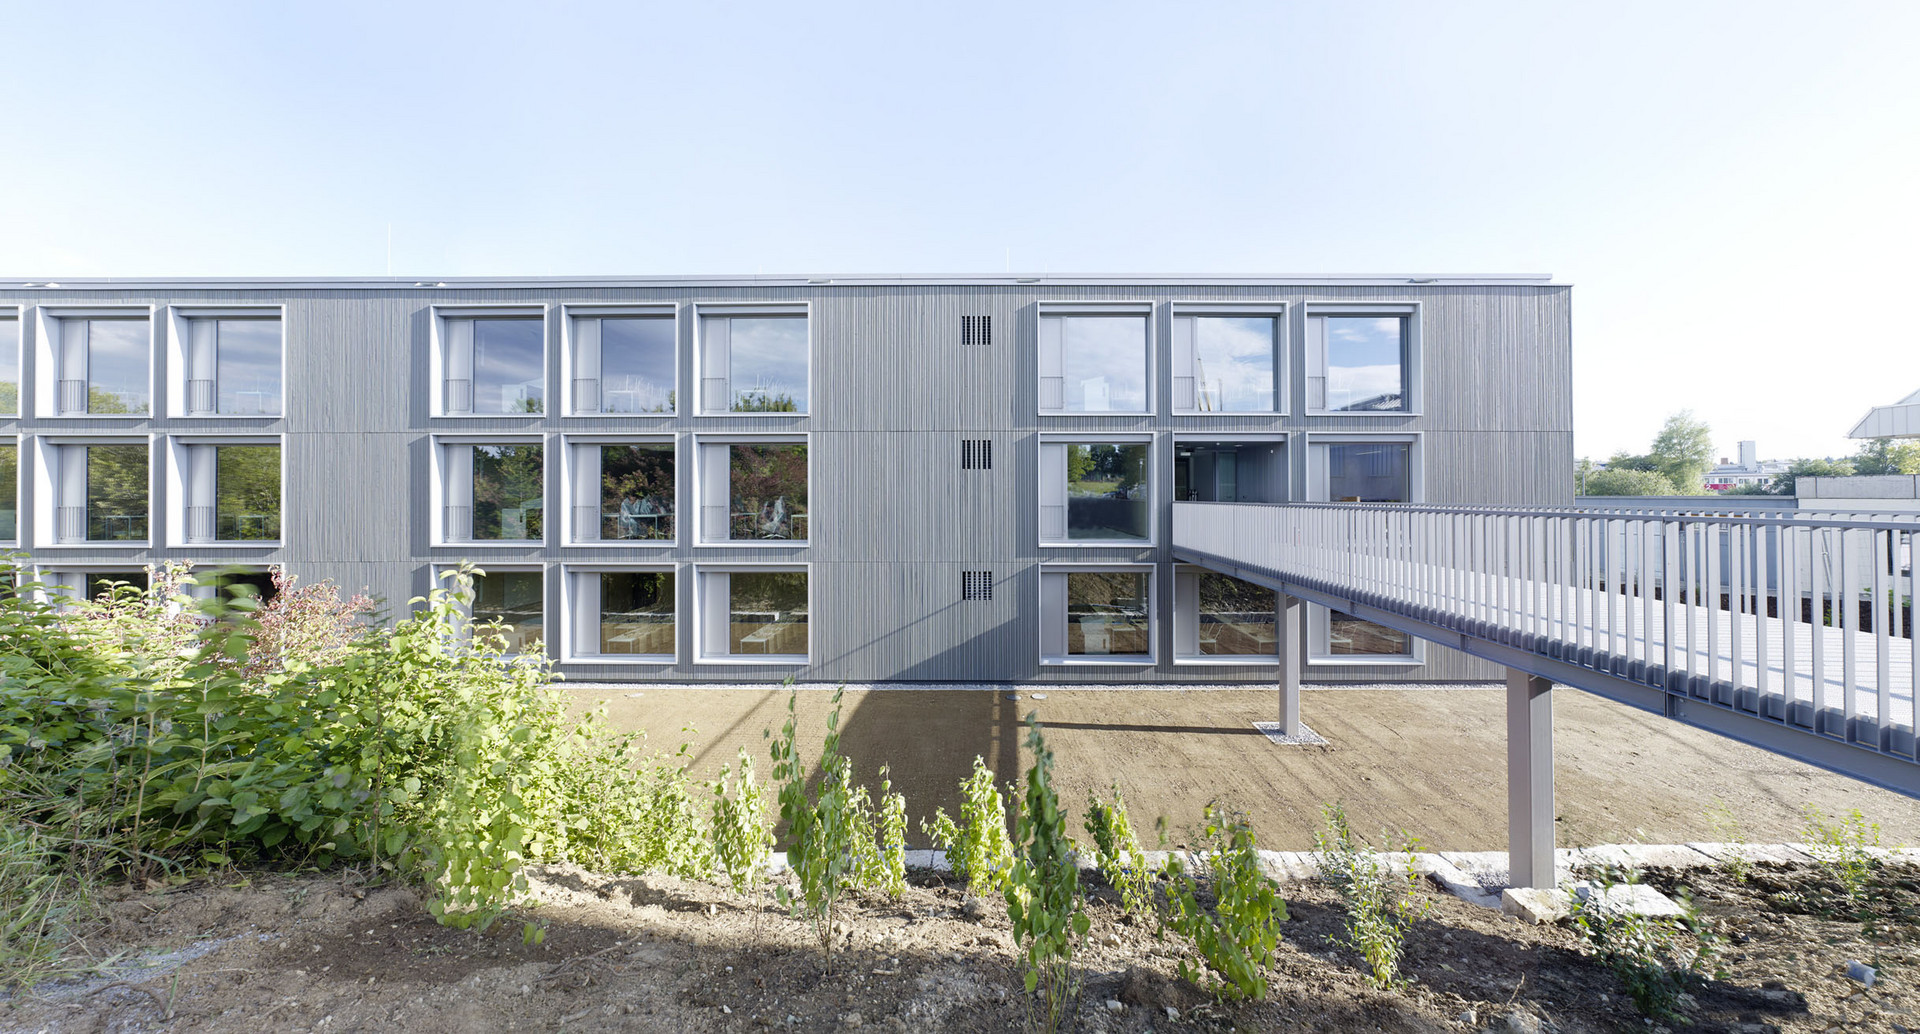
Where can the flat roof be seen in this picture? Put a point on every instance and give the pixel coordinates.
(780, 280)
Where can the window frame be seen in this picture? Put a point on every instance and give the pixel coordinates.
(50, 578)
(1055, 625)
(49, 461)
(49, 335)
(437, 573)
(17, 314)
(1182, 619)
(1318, 624)
(702, 311)
(442, 315)
(570, 483)
(1144, 310)
(179, 494)
(1280, 312)
(701, 476)
(701, 590)
(569, 342)
(1412, 347)
(571, 617)
(438, 488)
(179, 324)
(1147, 438)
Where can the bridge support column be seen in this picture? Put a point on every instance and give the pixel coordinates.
(1529, 780)
(1293, 658)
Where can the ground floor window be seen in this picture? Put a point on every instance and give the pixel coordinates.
(1219, 617)
(93, 583)
(515, 603)
(755, 614)
(625, 615)
(1096, 614)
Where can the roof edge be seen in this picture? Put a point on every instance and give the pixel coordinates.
(784, 280)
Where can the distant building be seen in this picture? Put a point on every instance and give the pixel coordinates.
(1749, 471)
(1900, 420)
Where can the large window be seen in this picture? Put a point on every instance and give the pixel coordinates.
(1219, 617)
(100, 492)
(9, 364)
(1096, 615)
(516, 601)
(493, 365)
(754, 491)
(102, 367)
(232, 366)
(754, 615)
(1095, 492)
(1367, 472)
(1094, 363)
(623, 491)
(91, 584)
(9, 492)
(623, 615)
(1361, 472)
(1226, 363)
(493, 491)
(1364, 361)
(753, 362)
(1230, 471)
(232, 492)
(624, 363)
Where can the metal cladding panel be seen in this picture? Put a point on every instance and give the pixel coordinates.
(893, 389)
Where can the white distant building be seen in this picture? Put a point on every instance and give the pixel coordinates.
(1749, 471)
(1900, 420)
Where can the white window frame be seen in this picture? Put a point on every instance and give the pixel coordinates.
(1279, 438)
(49, 338)
(1052, 608)
(704, 599)
(707, 480)
(1052, 474)
(1319, 649)
(572, 487)
(1186, 625)
(443, 316)
(17, 315)
(1143, 310)
(438, 573)
(573, 618)
(19, 443)
(570, 337)
(1314, 335)
(702, 312)
(179, 495)
(1181, 354)
(180, 319)
(439, 487)
(48, 461)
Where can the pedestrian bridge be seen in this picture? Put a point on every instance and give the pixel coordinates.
(1790, 631)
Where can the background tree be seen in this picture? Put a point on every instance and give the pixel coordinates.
(1783, 484)
(1887, 456)
(1627, 481)
(1683, 451)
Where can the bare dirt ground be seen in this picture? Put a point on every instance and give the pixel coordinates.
(1430, 762)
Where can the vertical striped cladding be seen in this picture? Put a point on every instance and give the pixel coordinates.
(894, 518)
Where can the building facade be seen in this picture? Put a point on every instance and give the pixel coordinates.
(744, 478)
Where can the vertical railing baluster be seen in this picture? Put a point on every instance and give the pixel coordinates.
(1849, 610)
(1882, 643)
(1762, 624)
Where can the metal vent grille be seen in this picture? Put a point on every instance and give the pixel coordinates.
(976, 585)
(976, 330)
(976, 454)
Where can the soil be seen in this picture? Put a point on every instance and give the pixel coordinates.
(327, 953)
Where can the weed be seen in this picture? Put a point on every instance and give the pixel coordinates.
(1121, 860)
(1380, 902)
(1237, 939)
(1841, 848)
(977, 845)
(1657, 959)
(1043, 897)
(1733, 863)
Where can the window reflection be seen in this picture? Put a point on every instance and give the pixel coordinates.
(509, 366)
(636, 612)
(767, 364)
(1103, 363)
(247, 367)
(767, 612)
(1236, 618)
(1233, 363)
(1107, 613)
(1107, 492)
(1364, 363)
(507, 492)
(515, 599)
(636, 365)
(117, 366)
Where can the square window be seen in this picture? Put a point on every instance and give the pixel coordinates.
(1362, 360)
(1218, 617)
(100, 492)
(493, 492)
(1230, 470)
(232, 491)
(492, 365)
(226, 363)
(753, 362)
(1094, 363)
(623, 615)
(514, 603)
(623, 491)
(101, 366)
(754, 490)
(1226, 363)
(754, 615)
(1095, 493)
(624, 363)
(1096, 615)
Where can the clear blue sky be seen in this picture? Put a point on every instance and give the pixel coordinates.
(1730, 186)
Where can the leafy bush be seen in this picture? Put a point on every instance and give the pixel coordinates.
(1380, 904)
(820, 826)
(1118, 851)
(892, 856)
(1043, 897)
(1657, 959)
(977, 846)
(1237, 939)
(742, 843)
(1841, 848)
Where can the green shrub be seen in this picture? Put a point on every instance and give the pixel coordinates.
(1121, 860)
(1237, 939)
(1657, 959)
(1380, 902)
(892, 858)
(977, 846)
(742, 843)
(1043, 896)
(820, 826)
(1841, 849)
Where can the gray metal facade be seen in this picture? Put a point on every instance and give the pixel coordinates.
(894, 520)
